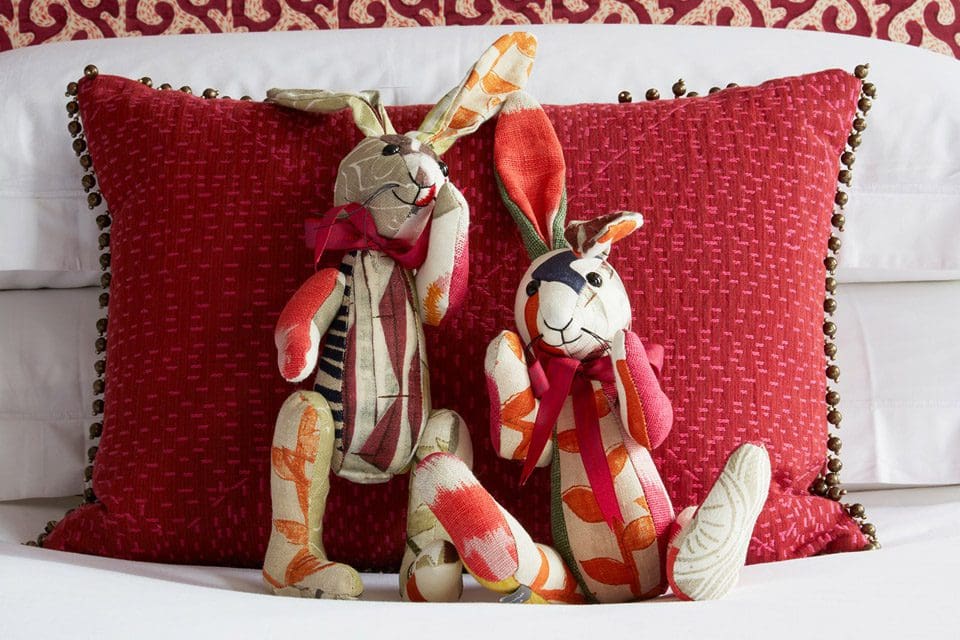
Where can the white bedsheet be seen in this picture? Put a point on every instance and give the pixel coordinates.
(905, 590)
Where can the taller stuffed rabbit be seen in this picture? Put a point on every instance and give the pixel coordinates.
(391, 255)
(575, 389)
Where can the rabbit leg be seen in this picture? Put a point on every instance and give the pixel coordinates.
(705, 556)
(296, 563)
(493, 546)
(431, 570)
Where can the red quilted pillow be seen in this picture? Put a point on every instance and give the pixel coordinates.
(207, 200)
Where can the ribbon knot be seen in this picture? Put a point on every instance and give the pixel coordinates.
(351, 227)
(566, 376)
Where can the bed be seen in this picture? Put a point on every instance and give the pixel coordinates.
(899, 294)
(905, 590)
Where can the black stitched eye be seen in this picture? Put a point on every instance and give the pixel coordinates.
(532, 287)
(594, 279)
(391, 150)
(444, 169)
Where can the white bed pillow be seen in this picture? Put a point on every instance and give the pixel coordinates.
(900, 383)
(904, 216)
(46, 390)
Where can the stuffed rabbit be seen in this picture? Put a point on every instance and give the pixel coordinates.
(578, 391)
(391, 254)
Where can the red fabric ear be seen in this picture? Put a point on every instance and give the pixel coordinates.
(529, 163)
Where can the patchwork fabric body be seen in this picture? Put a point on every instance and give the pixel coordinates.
(612, 565)
(379, 395)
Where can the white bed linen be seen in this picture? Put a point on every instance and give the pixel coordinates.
(905, 590)
(903, 217)
(46, 389)
(899, 358)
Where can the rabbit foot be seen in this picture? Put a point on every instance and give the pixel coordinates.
(704, 559)
(434, 575)
(332, 580)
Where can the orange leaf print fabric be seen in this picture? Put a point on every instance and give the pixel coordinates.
(639, 534)
(583, 503)
(608, 571)
(303, 564)
(617, 459)
(292, 465)
(295, 532)
(514, 417)
(567, 441)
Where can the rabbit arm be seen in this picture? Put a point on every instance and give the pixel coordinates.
(304, 320)
(442, 278)
(513, 406)
(645, 410)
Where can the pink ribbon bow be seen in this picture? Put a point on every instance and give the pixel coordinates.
(563, 376)
(350, 227)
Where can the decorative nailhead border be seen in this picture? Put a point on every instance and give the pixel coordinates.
(103, 220)
(827, 484)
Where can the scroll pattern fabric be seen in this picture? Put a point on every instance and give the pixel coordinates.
(932, 24)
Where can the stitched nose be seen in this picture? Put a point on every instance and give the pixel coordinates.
(560, 329)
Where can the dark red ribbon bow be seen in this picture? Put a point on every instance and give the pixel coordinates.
(350, 227)
(563, 376)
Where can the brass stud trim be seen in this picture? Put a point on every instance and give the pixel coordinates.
(679, 88)
(94, 200)
(624, 97)
(828, 483)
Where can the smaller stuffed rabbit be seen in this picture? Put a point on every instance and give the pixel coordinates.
(578, 391)
(391, 255)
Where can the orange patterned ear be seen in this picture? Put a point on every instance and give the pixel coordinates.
(501, 71)
(590, 238)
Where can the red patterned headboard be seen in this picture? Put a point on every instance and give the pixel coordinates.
(933, 24)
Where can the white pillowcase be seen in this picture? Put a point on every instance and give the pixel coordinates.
(899, 360)
(46, 390)
(904, 213)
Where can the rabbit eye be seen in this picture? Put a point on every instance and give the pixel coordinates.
(444, 169)
(532, 287)
(594, 279)
(391, 150)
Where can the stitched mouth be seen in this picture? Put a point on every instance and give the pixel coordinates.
(562, 341)
(419, 201)
(427, 199)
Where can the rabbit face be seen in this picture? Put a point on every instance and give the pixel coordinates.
(396, 178)
(571, 306)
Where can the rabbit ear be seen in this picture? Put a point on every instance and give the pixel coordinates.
(590, 238)
(502, 70)
(531, 173)
(369, 115)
